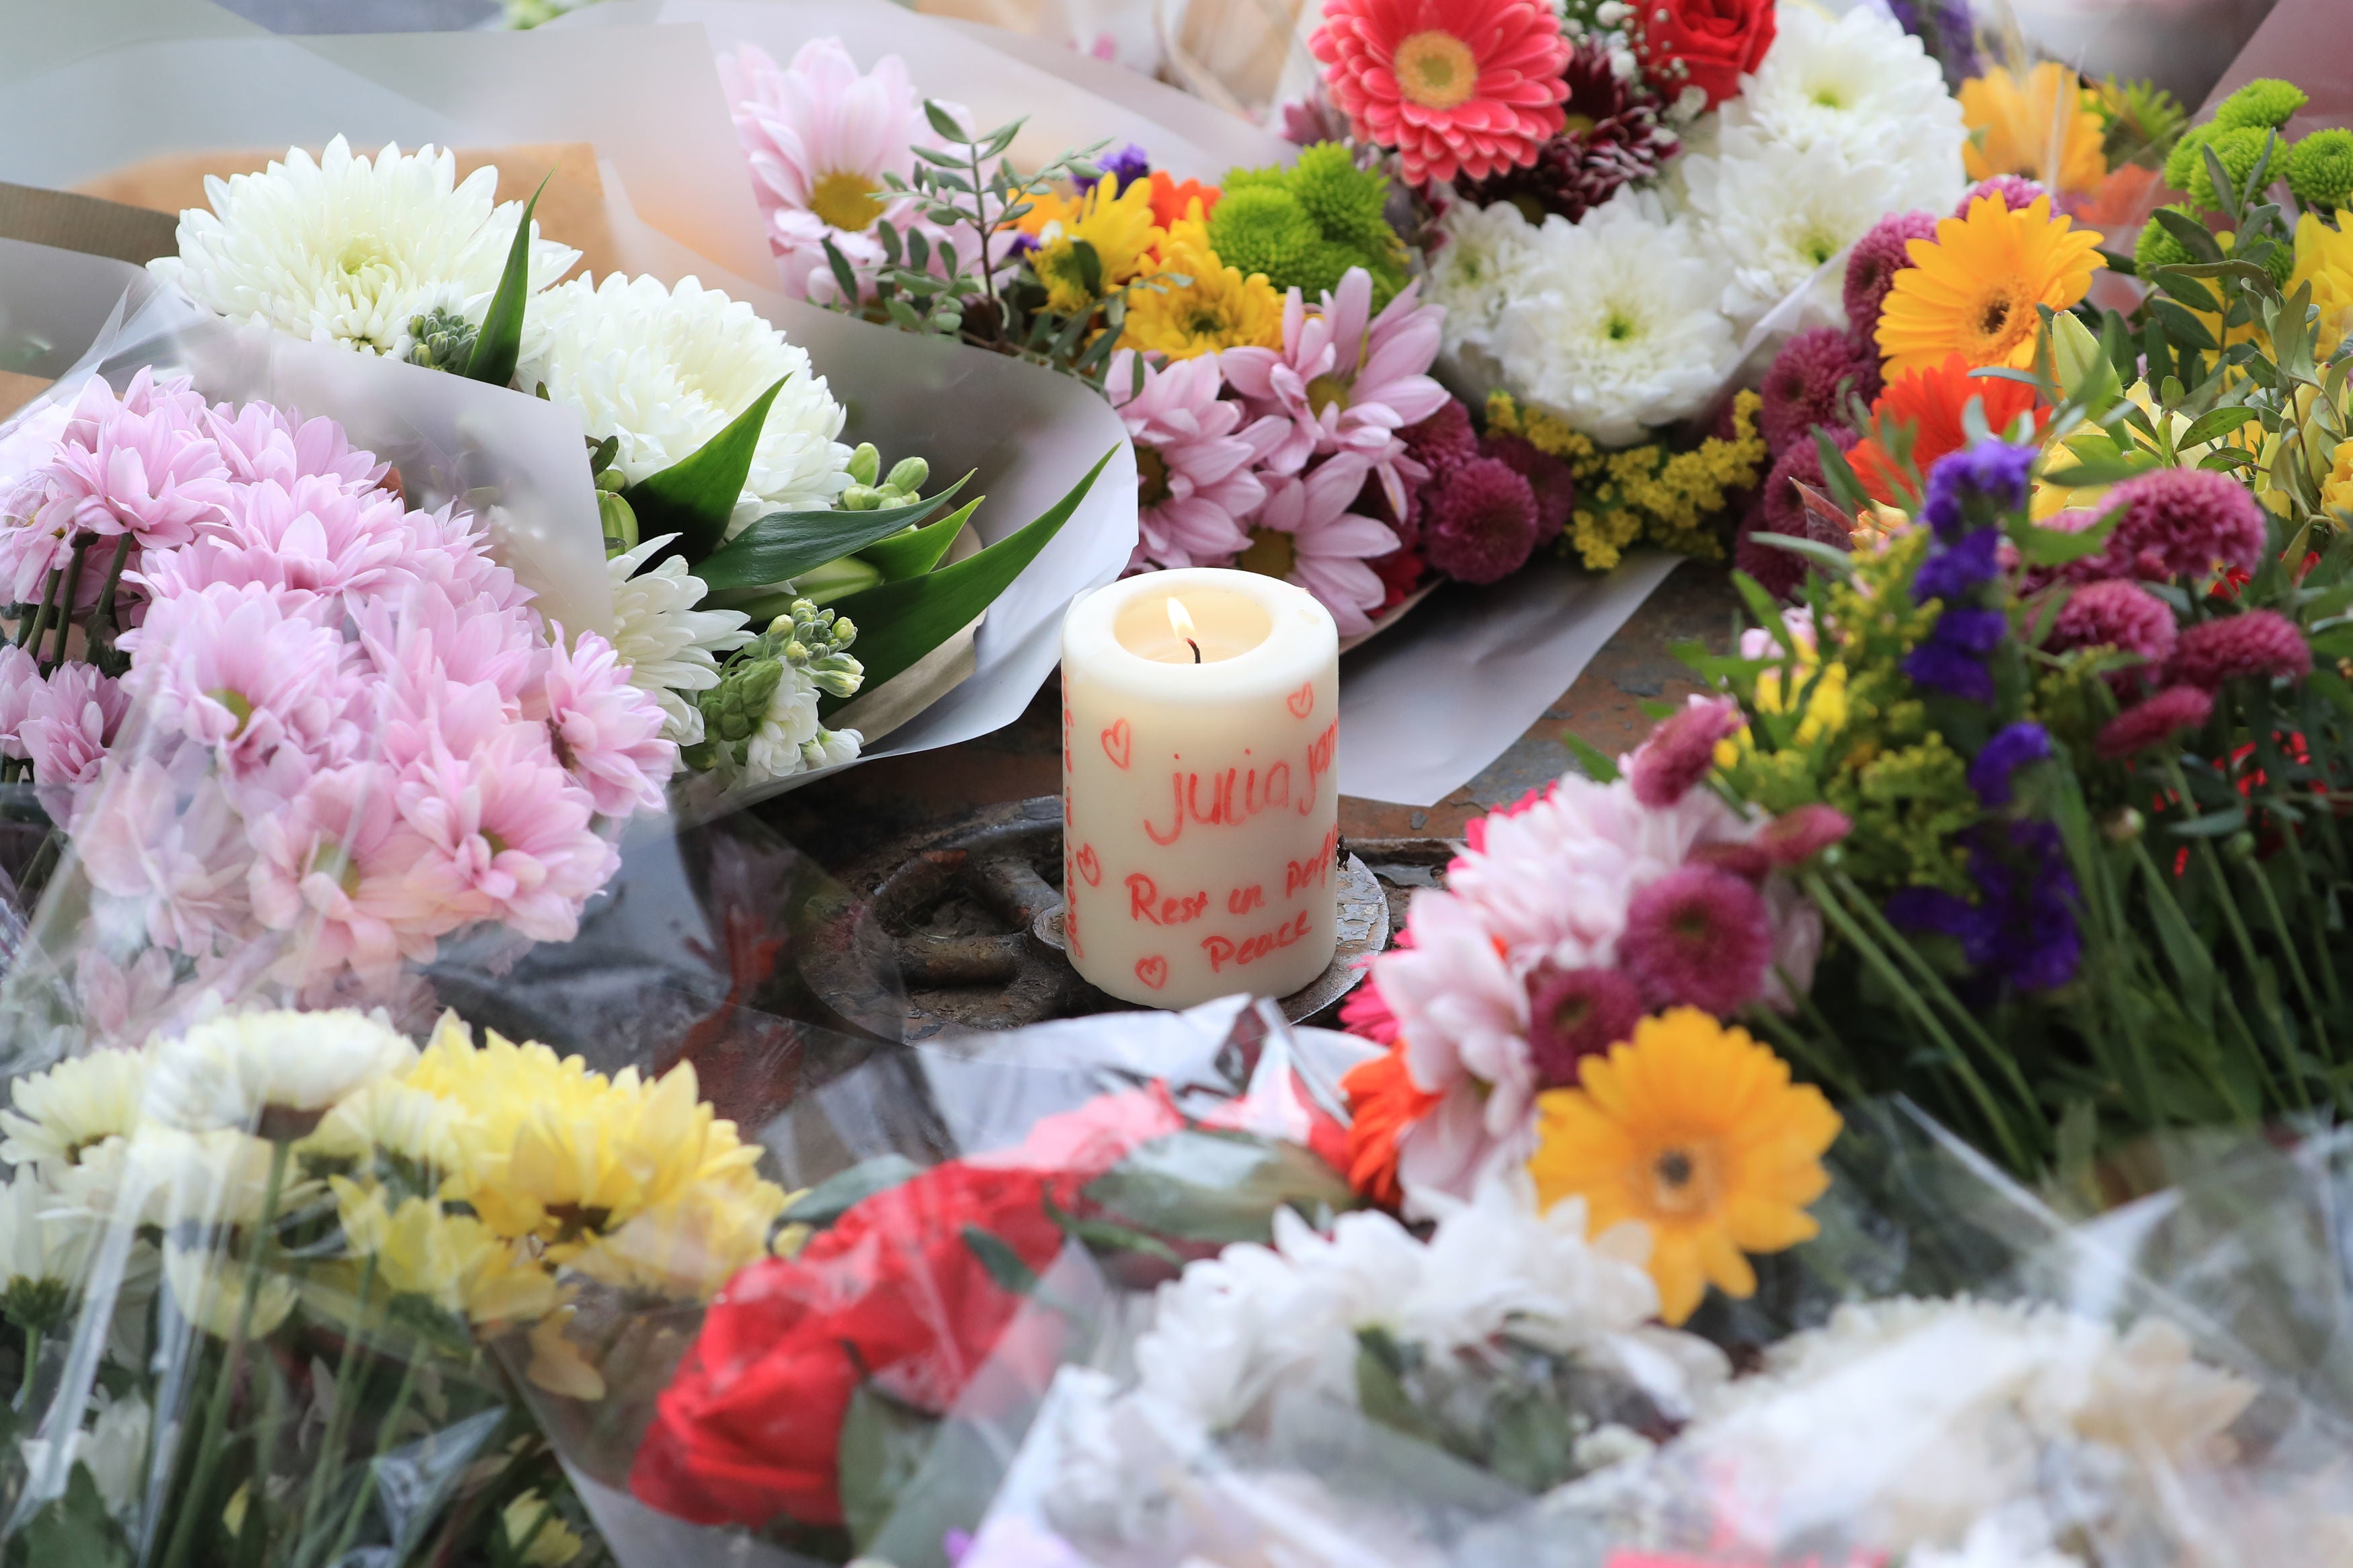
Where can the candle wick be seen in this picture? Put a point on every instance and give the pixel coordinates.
(1196, 647)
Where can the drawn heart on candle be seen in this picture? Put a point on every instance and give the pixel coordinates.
(1302, 701)
(1089, 867)
(1153, 970)
(1118, 745)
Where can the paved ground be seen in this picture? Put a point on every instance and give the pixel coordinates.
(842, 818)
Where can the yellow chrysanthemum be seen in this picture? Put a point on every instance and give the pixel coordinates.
(2337, 489)
(1973, 289)
(1694, 1130)
(536, 1536)
(2043, 128)
(1118, 228)
(2324, 259)
(1220, 308)
(452, 1260)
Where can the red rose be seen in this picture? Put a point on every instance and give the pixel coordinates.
(750, 1427)
(1705, 44)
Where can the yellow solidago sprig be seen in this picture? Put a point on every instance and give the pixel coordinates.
(1649, 494)
(1217, 308)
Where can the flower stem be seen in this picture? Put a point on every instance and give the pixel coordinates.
(30, 632)
(2295, 959)
(196, 1503)
(66, 609)
(32, 1365)
(367, 1484)
(2239, 937)
(338, 1424)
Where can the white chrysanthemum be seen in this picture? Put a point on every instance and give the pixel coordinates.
(669, 645)
(666, 369)
(1486, 254)
(114, 1451)
(1616, 324)
(254, 1071)
(163, 1176)
(78, 1104)
(1775, 217)
(353, 249)
(1860, 83)
(209, 1291)
(790, 739)
(45, 1247)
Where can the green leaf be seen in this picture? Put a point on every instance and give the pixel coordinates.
(694, 497)
(1768, 614)
(844, 1190)
(500, 343)
(2216, 423)
(1004, 1265)
(2055, 546)
(2101, 471)
(1593, 759)
(905, 555)
(1198, 1185)
(1381, 1387)
(1835, 562)
(2180, 326)
(2193, 236)
(784, 544)
(2213, 825)
(75, 1531)
(882, 1448)
(1104, 1236)
(944, 125)
(899, 623)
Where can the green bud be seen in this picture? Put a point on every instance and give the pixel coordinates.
(2240, 845)
(865, 463)
(908, 474)
(845, 632)
(838, 579)
(444, 341)
(612, 479)
(861, 497)
(796, 653)
(2126, 826)
(2075, 354)
(620, 522)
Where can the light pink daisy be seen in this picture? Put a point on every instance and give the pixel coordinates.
(1195, 460)
(244, 670)
(1347, 383)
(507, 837)
(1315, 541)
(332, 869)
(154, 475)
(174, 869)
(820, 137)
(605, 732)
(259, 444)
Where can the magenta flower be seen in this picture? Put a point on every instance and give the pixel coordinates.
(2154, 722)
(1480, 521)
(1698, 937)
(1347, 384)
(332, 869)
(2178, 522)
(1195, 462)
(1680, 752)
(1575, 1014)
(2017, 194)
(2120, 615)
(1871, 267)
(243, 670)
(2261, 643)
(507, 837)
(605, 732)
(1306, 535)
(1812, 382)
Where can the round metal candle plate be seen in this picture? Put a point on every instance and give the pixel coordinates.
(968, 914)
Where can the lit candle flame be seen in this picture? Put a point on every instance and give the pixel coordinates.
(1182, 620)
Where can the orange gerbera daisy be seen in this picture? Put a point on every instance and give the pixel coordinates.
(1694, 1130)
(1930, 403)
(1973, 289)
(1172, 202)
(2043, 128)
(1383, 1101)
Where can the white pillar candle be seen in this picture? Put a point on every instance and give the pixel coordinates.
(1200, 823)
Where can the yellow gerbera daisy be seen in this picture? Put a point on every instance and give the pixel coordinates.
(1694, 1130)
(1220, 308)
(1119, 229)
(1972, 289)
(2043, 128)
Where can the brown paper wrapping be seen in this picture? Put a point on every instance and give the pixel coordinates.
(15, 391)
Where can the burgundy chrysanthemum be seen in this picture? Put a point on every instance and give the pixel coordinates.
(1697, 937)
(2120, 615)
(1681, 749)
(1549, 477)
(1871, 267)
(2260, 643)
(1811, 381)
(1444, 441)
(2017, 192)
(2150, 723)
(1576, 1014)
(1613, 137)
(1480, 526)
(2178, 522)
(1780, 509)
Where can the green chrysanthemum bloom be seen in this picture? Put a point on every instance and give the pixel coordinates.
(2263, 104)
(1347, 204)
(2238, 151)
(2320, 169)
(1305, 226)
(2186, 159)
(2157, 247)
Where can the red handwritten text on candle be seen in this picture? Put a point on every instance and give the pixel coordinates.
(1319, 763)
(1223, 951)
(1118, 743)
(1302, 701)
(1153, 970)
(1067, 765)
(1242, 900)
(1234, 796)
(1070, 928)
(1090, 865)
(1145, 903)
(1314, 871)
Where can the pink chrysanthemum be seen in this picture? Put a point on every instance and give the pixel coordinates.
(1348, 381)
(1576, 1014)
(2262, 643)
(2120, 615)
(2155, 722)
(70, 720)
(1813, 381)
(239, 670)
(1480, 524)
(605, 732)
(1462, 1013)
(1196, 461)
(1549, 480)
(1307, 534)
(318, 535)
(1871, 267)
(333, 867)
(1465, 87)
(259, 444)
(2178, 522)
(20, 677)
(146, 470)
(2017, 192)
(178, 866)
(1698, 937)
(1682, 749)
(507, 837)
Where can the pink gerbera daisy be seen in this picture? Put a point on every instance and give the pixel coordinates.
(605, 732)
(1458, 87)
(1196, 461)
(1307, 534)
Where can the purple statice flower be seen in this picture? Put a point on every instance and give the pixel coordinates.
(1123, 168)
(1953, 658)
(2021, 931)
(1944, 30)
(1950, 574)
(1993, 472)
(2012, 747)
